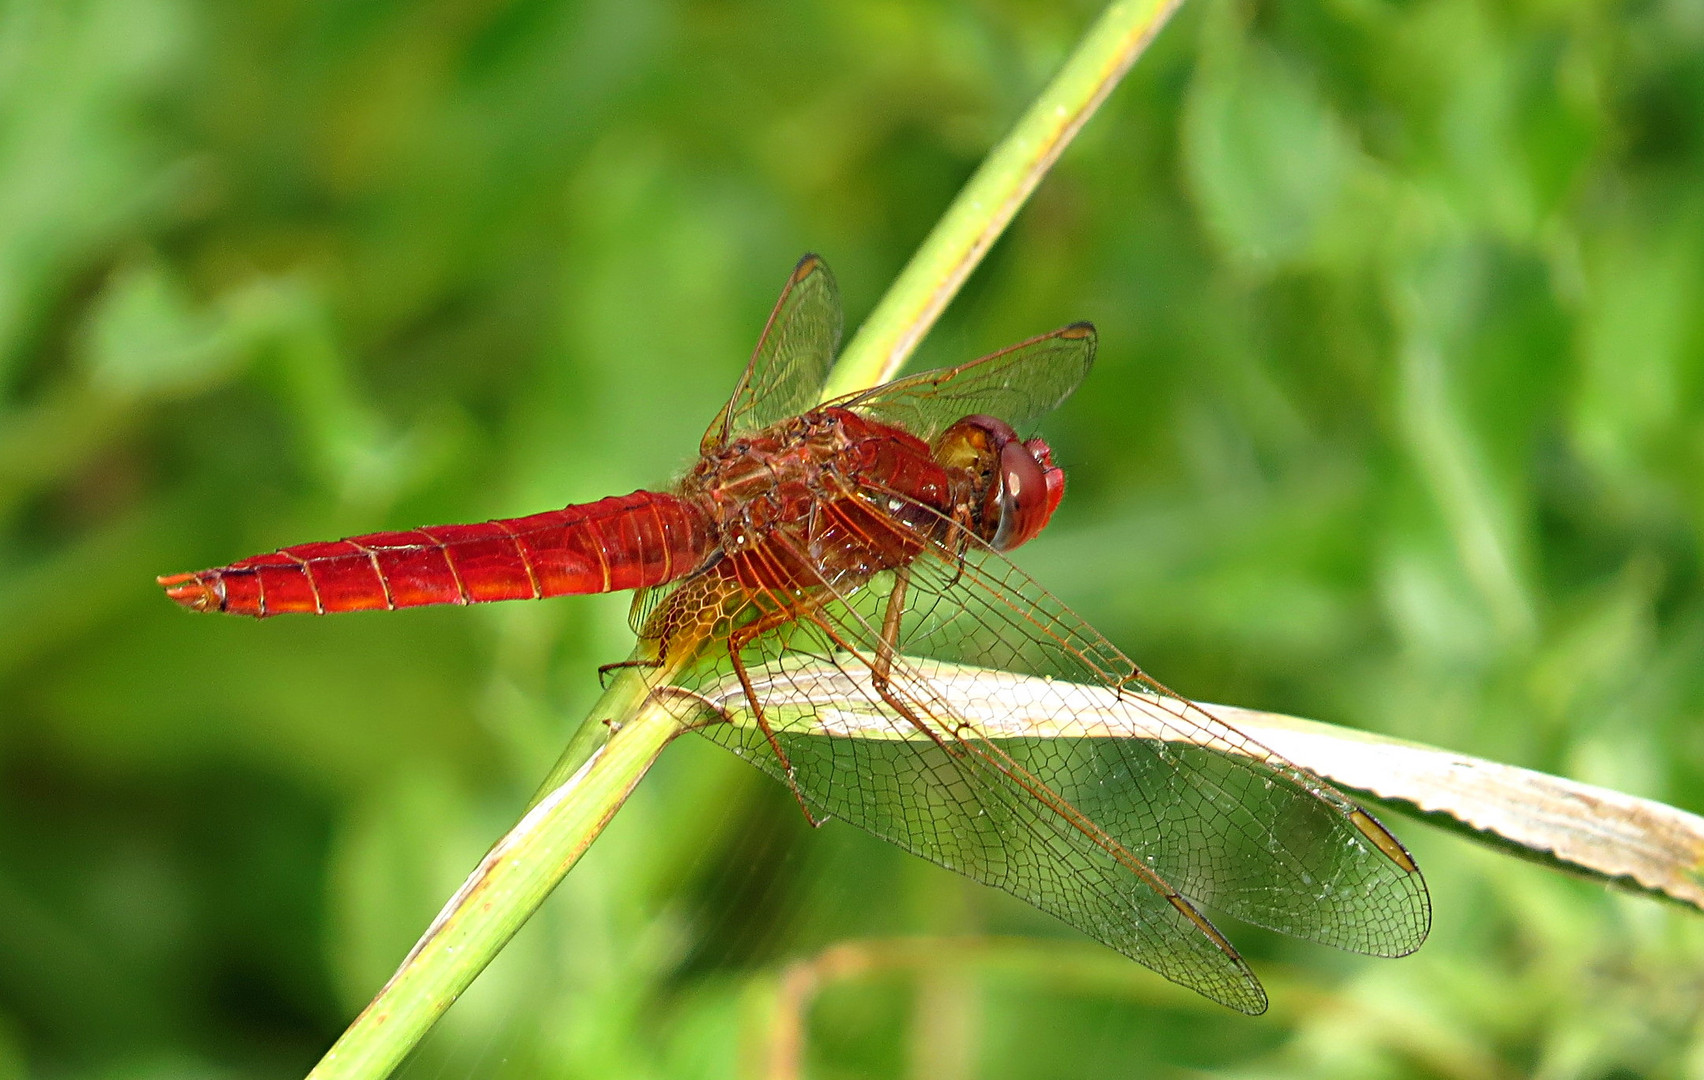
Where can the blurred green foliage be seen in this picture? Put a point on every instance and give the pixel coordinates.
(1399, 423)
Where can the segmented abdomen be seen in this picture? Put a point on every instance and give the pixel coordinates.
(622, 542)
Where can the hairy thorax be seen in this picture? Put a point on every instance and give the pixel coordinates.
(828, 495)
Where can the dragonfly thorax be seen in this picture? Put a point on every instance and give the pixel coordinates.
(833, 496)
(829, 493)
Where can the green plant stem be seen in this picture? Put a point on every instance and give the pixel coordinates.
(599, 769)
(510, 882)
(994, 193)
(624, 697)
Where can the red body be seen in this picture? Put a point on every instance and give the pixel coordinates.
(800, 492)
(622, 542)
(774, 537)
(802, 488)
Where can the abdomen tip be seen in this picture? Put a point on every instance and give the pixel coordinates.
(190, 591)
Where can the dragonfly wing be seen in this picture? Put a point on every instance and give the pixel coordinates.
(787, 370)
(645, 604)
(1180, 801)
(1019, 384)
(952, 798)
(1233, 825)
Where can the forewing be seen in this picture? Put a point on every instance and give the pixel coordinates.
(1019, 385)
(1228, 822)
(646, 602)
(790, 364)
(931, 786)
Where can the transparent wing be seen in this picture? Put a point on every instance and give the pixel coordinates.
(959, 801)
(1020, 385)
(1232, 824)
(645, 604)
(1119, 837)
(790, 364)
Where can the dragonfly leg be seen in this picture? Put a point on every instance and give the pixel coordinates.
(955, 542)
(881, 671)
(707, 711)
(738, 640)
(881, 668)
(605, 669)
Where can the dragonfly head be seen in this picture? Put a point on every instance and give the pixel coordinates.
(1017, 485)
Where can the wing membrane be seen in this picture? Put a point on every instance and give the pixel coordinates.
(1231, 824)
(1119, 837)
(956, 800)
(1020, 385)
(790, 364)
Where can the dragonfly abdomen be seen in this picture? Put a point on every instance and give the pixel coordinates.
(622, 542)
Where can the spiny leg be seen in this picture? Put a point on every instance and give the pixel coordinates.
(882, 670)
(887, 641)
(605, 669)
(958, 529)
(881, 667)
(979, 749)
(737, 641)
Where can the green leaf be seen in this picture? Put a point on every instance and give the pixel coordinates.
(1265, 157)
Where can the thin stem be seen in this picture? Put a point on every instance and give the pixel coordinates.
(509, 884)
(993, 195)
(598, 770)
(625, 695)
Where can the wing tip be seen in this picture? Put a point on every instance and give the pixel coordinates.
(1084, 331)
(1383, 839)
(1254, 1004)
(809, 263)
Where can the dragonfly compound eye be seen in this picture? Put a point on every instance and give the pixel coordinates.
(1054, 475)
(1030, 486)
(1022, 485)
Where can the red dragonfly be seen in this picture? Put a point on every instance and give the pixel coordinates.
(865, 538)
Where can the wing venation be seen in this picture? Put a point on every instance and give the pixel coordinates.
(787, 370)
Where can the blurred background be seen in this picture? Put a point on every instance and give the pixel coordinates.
(1398, 423)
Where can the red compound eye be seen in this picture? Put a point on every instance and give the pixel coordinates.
(1054, 474)
(1030, 487)
(1024, 486)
